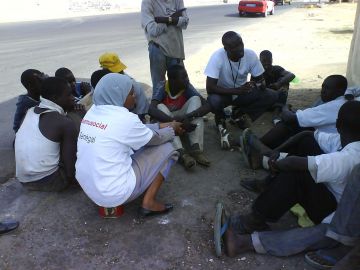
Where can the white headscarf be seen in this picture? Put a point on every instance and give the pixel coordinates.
(112, 89)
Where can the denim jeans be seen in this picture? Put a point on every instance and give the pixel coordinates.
(159, 63)
(344, 227)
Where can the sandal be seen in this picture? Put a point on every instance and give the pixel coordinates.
(221, 224)
(320, 261)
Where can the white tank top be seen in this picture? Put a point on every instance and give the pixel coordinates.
(36, 156)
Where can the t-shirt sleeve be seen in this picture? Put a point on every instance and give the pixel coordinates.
(279, 72)
(329, 167)
(256, 68)
(138, 135)
(191, 91)
(213, 67)
(323, 114)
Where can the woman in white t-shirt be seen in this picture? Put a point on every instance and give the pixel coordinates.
(118, 156)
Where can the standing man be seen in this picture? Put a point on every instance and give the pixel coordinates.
(163, 21)
(226, 83)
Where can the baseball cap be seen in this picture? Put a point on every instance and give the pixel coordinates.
(111, 62)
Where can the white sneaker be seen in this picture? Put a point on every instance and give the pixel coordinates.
(224, 138)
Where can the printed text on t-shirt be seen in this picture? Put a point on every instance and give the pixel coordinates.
(86, 138)
(94, 124)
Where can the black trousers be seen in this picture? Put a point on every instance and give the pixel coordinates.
(280, 133)
(290, 188)
(306, 146)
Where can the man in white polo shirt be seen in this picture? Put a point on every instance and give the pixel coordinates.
(227, 84)
(321, 117)
(315, 182)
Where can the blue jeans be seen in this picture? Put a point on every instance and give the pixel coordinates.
(344, 227)
(159, 63)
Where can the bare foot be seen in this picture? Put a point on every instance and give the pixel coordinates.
(153, 206)
(236, 244)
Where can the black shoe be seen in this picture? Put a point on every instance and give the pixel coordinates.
(147, 213)
(6, 227)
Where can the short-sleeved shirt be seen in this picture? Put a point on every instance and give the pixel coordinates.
(322, 117)
(274, 75)
(328, 142)
(334, 169)
(108, 137)
(174, 103)
(233, 74)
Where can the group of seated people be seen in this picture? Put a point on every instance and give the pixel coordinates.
(108, 138)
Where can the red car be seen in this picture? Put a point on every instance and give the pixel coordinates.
(264, 7)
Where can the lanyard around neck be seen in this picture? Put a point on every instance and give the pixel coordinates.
(232, 72)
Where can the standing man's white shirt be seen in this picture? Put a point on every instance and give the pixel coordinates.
(233, 74)
(108, 136)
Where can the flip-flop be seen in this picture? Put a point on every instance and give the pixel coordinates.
(244, 148)
(320, 261)
(219, 227)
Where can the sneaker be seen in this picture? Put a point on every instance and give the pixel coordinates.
(224, 138)
(276, 119)
(187, 160)
(201, 158)
(198, 155)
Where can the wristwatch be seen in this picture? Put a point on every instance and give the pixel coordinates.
(170, 19)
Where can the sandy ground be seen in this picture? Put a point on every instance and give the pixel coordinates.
(311, 42)
(63, 231)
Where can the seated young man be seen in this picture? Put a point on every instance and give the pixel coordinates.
(322, 117)
(112, 63)
(276, 77)
(31, 79)
(326, 244)
(302, 144)
(315, 182)
(177, 100)
(45, 144)
(79, 89)
(226, 83)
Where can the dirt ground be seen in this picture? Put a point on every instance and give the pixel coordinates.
(64, 231)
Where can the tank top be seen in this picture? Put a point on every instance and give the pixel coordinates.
(36, 156)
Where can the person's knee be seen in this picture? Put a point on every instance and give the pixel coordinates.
(271, 96)
(195, 102)
(162, 107)
(215, 102)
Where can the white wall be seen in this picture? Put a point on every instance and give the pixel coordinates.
(353, 68)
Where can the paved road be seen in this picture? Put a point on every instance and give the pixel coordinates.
(76, 43)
